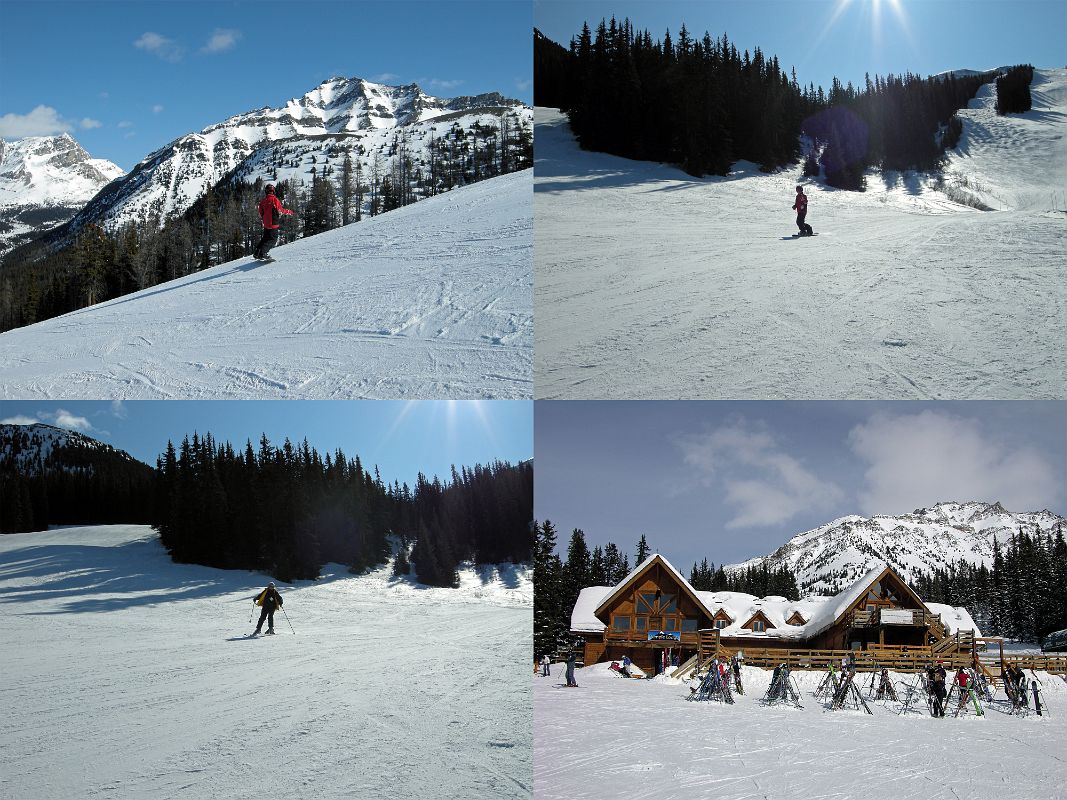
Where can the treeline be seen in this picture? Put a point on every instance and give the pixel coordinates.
(756, 580)
(1013, 90)
(70, 486)
(702, 105)
(558, 582)
(224, 224)
(892, 123)
(1021, 597)
(698, 103)
(288, 510)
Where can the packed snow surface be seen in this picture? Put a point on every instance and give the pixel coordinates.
(429, 301)
(613, 737)
(654, 284)
(126, 675)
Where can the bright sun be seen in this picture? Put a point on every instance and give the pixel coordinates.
(873, 11)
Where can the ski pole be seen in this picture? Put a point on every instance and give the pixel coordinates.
(287, 620)
(252, 613)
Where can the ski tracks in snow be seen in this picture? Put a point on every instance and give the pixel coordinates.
(652, 284)
(428, 301)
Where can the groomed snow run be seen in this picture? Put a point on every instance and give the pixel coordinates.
(127, 676)
(430, 301)
(654, 284)
(613, 737)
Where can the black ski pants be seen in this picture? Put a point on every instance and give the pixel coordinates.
(804, 227)
(268, 240)
(266, 614)
(939, 702)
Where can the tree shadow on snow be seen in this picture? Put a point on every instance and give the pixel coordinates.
(143, 296)
(78, 575)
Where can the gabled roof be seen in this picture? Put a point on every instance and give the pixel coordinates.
(639, 571)
(758, 615)
(819, 612)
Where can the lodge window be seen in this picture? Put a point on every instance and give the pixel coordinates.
(689, 625)
(668, 604)
(642, 623)
(620, 623)
(670, 624)
(758, 626)
(645, 601)
(720, 624)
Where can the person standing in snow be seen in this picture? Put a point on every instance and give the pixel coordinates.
(570, 669)
(961, 682)
(938, 684)
(270, 601)
(546, 666)
(801, 207)
(270, 211)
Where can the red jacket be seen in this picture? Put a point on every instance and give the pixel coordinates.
(269, 209)
(800, 205)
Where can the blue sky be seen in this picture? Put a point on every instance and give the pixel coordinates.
(733, 480)
(125, 78)
(847, 38)
(401, 437)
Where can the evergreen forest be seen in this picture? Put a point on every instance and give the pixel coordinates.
(70, 485)
(1020, 597)
(95, 263)
(558, 582)
(289, 510)
(703, 105)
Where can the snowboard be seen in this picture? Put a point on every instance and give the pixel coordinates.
(264, 259)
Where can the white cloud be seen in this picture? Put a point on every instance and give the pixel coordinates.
(166, 49)
(762, 483)
(118, 409)
(42, 121)
(446, 85)
(105, 95)
(125, 124)
(130, 135)
(18, 419)
(916, 460)
(523, 85)
(87, 123)
(157, 108)
(64, 419)
(385, 77)
(221, 40)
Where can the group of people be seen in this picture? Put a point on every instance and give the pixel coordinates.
(543, 667)
(938, 687)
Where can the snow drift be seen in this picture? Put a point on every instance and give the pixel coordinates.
(429, 301)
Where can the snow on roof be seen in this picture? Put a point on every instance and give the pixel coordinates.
(954, 619)
(818, 611)
(670, 568)
(583, 617)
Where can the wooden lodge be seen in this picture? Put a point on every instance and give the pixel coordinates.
(656, 618)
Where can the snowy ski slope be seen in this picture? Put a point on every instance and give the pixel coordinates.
(653, 284)
(613, 737)
(428, 301)
(125, 675)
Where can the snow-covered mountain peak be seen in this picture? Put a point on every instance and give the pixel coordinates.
(341, 114)
(28, 449)
(51, 171)
(834, 554)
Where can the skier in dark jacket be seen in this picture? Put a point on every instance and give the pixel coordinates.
(570, 669)
(801, 207)
(939, 691)
(270, 211)
(270, 601)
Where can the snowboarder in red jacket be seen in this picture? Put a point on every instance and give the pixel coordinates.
(270, 211)
(801, 207)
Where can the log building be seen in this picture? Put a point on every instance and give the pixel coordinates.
(655, 616)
